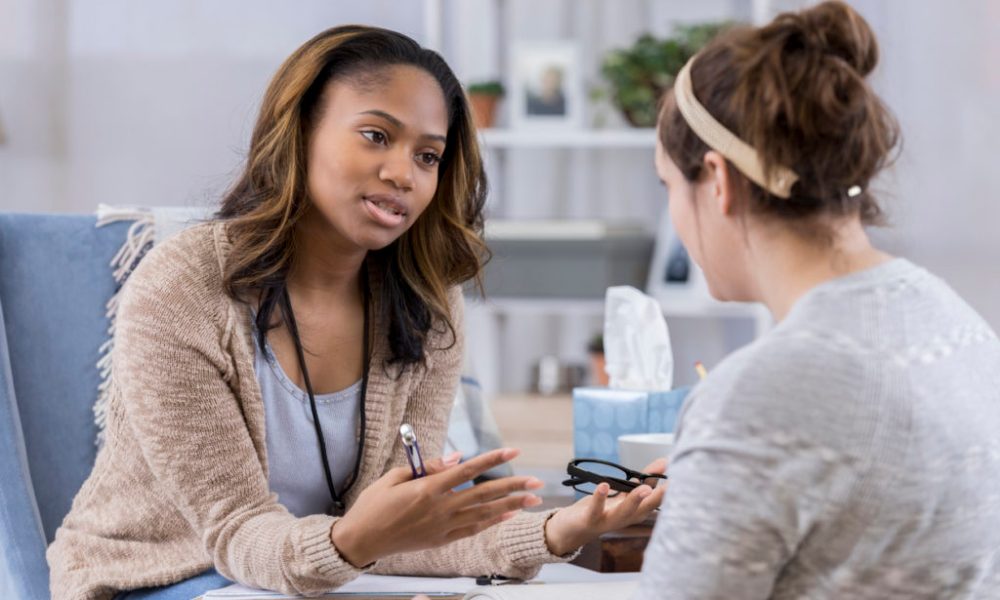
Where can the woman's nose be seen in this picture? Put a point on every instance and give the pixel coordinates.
(398, 170)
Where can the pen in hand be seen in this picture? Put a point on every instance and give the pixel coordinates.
(412, 449)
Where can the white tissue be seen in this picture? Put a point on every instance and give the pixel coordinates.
(637, 349)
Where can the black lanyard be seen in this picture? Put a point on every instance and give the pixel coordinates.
(337, 507)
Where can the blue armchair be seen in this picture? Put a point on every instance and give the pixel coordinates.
(54, 282)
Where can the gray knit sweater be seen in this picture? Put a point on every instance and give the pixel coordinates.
(852, 452)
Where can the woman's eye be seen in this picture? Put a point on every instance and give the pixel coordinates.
(429, 158)
(374, 136)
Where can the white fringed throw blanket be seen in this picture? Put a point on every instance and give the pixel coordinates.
(150, 226)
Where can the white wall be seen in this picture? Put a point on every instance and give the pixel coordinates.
(32, 93)
(940, 76)
(147, 102)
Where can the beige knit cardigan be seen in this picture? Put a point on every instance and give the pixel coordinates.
(180, 484)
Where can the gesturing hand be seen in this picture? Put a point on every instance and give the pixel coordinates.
(400, 514)
(573, 526)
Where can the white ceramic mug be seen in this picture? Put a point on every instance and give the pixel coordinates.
(636, 450)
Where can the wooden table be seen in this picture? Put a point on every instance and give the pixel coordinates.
(617, 551)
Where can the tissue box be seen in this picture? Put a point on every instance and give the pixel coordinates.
(601, 414)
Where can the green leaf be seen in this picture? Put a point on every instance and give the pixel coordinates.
(487, 88)
(638, 75)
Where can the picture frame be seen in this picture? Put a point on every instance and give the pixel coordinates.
(546, 88)
(674, 278)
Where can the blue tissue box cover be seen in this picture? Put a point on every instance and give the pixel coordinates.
(602, 414)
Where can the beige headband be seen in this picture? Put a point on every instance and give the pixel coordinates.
(725, 142)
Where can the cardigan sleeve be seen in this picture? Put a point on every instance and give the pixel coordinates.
(514, 548)
(177, 384)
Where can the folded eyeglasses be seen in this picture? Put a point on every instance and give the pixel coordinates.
(587, 473)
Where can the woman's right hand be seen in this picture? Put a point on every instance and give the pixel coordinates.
(400, 514)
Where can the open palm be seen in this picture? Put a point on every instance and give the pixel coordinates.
(589, 517)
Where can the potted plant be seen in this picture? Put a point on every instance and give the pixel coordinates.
(484, 97)
(640, 74)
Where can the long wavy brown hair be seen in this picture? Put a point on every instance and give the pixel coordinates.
(444, 247)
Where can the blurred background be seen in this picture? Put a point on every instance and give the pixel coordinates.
(151, 103)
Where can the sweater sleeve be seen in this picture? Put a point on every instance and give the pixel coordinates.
(515, 548)
(177, 385)
(760, 465)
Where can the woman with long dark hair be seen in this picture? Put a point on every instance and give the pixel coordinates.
(264, 362)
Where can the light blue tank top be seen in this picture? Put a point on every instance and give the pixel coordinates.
(295, 468)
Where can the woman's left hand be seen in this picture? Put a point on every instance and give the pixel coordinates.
(573, 526)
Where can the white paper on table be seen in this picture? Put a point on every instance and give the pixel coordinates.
(618, 590)
(364, 585)
(390, 585)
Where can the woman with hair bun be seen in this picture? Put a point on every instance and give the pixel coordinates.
(852, 451)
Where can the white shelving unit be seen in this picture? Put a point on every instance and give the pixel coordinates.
(587, 307)
(490, 318)
(574, 155)
(496, 139)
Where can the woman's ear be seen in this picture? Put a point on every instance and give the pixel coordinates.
(719, 181)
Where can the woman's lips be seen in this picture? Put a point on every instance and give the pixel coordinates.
(385, 210)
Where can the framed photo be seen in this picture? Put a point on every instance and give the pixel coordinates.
(673, 277)
(546, 89)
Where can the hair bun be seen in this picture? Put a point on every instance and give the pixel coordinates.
(795, 90)
(836, 29)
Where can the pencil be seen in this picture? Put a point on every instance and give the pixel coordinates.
(702, 373)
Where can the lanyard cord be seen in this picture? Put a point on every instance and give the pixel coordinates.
(338, 502)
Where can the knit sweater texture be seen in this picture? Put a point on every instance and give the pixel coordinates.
(181, 483)
(852, 452)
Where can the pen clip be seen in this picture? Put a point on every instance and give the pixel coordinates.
(412, 449)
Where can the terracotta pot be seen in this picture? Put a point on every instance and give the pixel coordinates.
(597, 373)
(484, 109)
